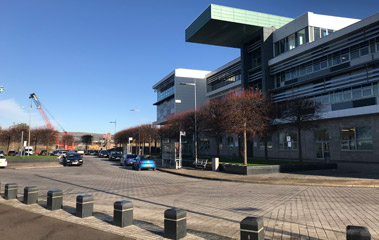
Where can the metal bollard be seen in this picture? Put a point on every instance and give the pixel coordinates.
(123, 213)
(11, 191)
(30, 195)
(357, 233)
(54, 199)
(175, 223)
(252, 228)
(84, 205)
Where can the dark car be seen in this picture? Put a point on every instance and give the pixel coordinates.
(128, 160)
(72, 158)
(43, 153)
(12, 153)
(144, 162)
(115, 156)
(103, 153)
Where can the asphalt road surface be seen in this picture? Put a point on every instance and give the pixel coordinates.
(290, 212)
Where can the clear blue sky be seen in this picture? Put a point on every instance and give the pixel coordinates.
(91, 61)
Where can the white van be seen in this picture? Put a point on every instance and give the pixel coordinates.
(29, 150)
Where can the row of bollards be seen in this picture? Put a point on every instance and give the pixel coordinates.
(175, 224)
(175, 220)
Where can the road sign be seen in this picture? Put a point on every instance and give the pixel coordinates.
(288, 138)
(182, 133)
(289, 144)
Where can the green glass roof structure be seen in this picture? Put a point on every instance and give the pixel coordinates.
(228, 27)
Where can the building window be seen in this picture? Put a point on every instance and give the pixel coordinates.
(291, 41)
(366, 90)
(283, 143)
(300, 36)
(204, 144)
(261, 143)
(230, 142)
(316, 33)
(347, 94)
(359, 138)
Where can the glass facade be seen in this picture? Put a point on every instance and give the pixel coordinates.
(359, 138)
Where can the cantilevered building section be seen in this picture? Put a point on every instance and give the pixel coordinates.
(230, 27)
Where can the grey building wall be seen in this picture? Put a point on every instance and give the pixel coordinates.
(186, 94)
(333, 126)
(165, 109)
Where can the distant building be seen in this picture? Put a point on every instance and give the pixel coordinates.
(172, 97)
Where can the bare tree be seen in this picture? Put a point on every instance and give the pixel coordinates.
(212, 120)
(87, 140)
(67, 139)
(246, 115)
(48, 137)
(300, 114)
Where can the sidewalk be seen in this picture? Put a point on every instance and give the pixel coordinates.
(347, 175)
(21, 224)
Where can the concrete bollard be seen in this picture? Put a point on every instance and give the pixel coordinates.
(30, 195)
(84, 205)
(215, 164)
(252, 228)
(175, 223)
(54, 199)
(11, 191)
(123, 213)
(357, 233)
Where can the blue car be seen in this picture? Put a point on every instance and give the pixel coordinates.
(144, 162)
(128, 160)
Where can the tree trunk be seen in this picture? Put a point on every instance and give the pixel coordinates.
(218, 145)
(266, 152)
(245, 144)
(150, 145)
(299, 145)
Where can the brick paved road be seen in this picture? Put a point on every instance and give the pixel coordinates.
(290, 212)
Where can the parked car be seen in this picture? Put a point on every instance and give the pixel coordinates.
(72, 158)
(12, 153)
(103, 154)
(81, 152)
(3, 161)
(144, 162)
(43, 153)
(2, 153)
(115, 155)
(128, 160)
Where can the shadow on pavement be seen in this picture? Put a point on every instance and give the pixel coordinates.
(346, 169)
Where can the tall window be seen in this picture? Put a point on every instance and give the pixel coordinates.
(283, 143)
(291, 41)
(261, 143)
(301, 37)
(204, 144)
(359, 138)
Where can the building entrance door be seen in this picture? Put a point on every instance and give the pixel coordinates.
(322, 150)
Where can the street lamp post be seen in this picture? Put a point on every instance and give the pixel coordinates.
(30, 124)
(114, 127)
(195, 135)
(139, 128)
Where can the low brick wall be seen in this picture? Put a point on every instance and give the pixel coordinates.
(253, 170)
(36, 160)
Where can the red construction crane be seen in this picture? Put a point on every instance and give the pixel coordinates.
(38, 104)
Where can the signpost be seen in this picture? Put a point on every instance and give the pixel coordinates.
(182, 133)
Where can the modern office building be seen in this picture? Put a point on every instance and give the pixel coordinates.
(332, 60)
(174, 97)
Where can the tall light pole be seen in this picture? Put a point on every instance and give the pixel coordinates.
(114, 129)
(139, 128)
(195, 135)
(30, 124)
